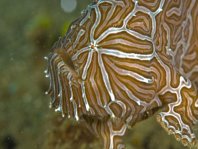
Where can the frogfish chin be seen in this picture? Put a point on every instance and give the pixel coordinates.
(123, 60)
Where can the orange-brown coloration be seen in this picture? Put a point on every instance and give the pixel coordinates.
(123, 60)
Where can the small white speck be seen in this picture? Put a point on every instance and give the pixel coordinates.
(58, 109)
(77, 118)
(46, 58)
(68, 5)
(138, 102)
(196, 103)
(113, 116)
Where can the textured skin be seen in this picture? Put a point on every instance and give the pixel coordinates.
(123, 60)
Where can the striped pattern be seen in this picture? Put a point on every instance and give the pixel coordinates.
(122, 60)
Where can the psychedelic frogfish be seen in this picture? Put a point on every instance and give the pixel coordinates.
(122, 61)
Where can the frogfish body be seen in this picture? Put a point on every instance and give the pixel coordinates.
(123, 60)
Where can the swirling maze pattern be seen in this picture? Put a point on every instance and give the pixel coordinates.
(122, 60)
